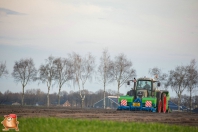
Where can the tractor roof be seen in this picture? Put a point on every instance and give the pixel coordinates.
(148, 79)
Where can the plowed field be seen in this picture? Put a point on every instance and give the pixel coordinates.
(179, 118)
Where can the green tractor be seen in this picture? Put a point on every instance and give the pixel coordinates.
(145, 96)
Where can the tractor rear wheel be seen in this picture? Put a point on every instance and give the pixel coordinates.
(159, 106)
(159, 102)
(164, 103)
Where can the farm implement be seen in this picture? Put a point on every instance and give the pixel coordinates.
(145, 97)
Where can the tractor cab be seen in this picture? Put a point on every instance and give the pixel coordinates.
(146, 87)
(143, 87)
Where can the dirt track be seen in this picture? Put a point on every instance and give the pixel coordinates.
(179, 118)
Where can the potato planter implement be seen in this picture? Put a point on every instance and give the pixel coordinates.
(145, 96)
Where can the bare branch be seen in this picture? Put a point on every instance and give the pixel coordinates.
(24, 71)
(47, 74)
(104, 71)
(63, 72)
(3, 70)
(192, 78)
(177, 80)
(122, 70)
(83, 69)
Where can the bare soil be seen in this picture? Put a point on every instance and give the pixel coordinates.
(179, 118)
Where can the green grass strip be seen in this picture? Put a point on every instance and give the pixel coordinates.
(43, 124)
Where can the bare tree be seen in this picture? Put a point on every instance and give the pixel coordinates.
(47, 74)
(63, 73)
(3, 70)
(104, 73)
(157, 73)
(24, 71)
(192, 76)
(112, 92)
(83, 69)
(122, 70)
(178, 82)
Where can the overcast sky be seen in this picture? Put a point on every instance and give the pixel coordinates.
(150, 33)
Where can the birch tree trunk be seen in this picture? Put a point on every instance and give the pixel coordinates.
(22, 100)
(104, 97)
(59, 95)
(190, 99)
(48, 97)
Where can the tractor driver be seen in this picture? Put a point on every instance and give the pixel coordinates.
(147, 86)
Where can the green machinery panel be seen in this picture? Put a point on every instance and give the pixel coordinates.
(152, 99)
(129, 99)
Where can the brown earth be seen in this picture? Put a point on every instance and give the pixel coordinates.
(179, 118)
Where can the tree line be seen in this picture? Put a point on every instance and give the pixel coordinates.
(77, 69)
(74, 69)
(179, 79)
(37, 97)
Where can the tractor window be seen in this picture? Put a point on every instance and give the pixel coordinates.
(144, 84)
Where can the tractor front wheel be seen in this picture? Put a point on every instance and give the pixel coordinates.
(164, 103)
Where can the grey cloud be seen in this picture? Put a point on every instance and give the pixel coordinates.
(8, 38)
(181, 54)
(101, 18)
(10, 12)
(15, 38)
(85, 42)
